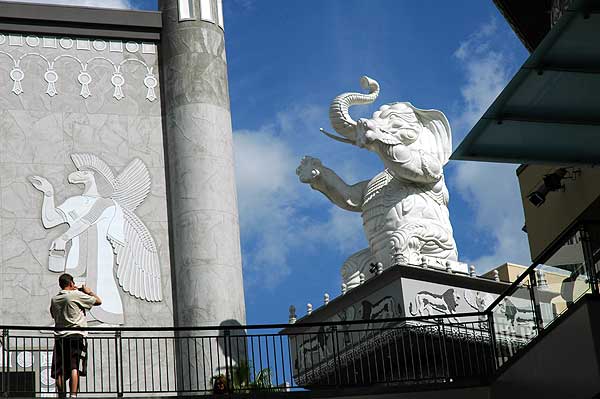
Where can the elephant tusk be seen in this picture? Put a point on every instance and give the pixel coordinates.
(338, 138)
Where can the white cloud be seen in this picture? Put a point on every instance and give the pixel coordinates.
(493, 192)
(264, 173)
(487, 71)
(491, 189)
(348, 230)
(83, 3)
(273, 203)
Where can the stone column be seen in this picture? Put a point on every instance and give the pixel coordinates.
(206, 257)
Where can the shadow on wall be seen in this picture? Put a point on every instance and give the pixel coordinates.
(234, 344)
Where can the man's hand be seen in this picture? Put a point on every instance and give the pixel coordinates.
(85, 289)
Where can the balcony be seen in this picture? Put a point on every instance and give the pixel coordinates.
(325, 358)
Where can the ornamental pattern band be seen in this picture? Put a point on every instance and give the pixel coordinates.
(96, 48)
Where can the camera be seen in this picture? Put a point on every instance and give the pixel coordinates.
(550, 182)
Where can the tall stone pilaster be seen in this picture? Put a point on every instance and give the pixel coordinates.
(207, 267)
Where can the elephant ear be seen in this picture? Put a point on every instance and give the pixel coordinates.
(437, 123)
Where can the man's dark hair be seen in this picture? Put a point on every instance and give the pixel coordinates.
(65, 280)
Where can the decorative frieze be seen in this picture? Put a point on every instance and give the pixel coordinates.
(97, 49)
(68, 43)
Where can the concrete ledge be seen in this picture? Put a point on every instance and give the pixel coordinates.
(79, 21)
(460, 391)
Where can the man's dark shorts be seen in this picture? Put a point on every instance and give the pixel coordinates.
(70, 352)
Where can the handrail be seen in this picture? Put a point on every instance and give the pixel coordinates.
(559, 243)
(123, 364)
(512, 288)
(248, 327)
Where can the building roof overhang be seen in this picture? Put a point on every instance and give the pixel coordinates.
(550, 110)
(79, 21)
(530, 20)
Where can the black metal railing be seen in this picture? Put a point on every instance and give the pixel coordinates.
(543, 292)
(277, 358)
(439, 349)
(405, 351)
(128, 361)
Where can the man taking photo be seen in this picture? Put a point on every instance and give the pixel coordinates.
(68, 309)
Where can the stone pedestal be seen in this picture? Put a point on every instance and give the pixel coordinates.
(405, 291)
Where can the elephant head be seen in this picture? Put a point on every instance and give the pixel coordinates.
(338, 110)
(393, 124)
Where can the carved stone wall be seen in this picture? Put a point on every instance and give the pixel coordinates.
(65, 95)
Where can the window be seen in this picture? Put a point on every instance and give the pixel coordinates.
(186, 10)
(220, 13)
(206, 11)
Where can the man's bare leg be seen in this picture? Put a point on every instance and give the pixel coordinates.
(60, 386)
(74, 382)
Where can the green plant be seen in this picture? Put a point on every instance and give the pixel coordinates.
(244, 379)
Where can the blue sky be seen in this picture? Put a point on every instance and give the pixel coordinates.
(287, 60)
(286, 63)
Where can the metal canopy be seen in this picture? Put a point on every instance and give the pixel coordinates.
(550, 111)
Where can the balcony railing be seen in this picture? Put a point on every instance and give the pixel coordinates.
(447, 349)
(166, 361)
(443, 349)
(569, 272)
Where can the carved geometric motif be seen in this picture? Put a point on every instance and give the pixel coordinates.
(51, 76)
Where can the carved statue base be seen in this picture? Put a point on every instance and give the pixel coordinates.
(364, 263)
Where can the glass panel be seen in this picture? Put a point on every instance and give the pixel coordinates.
(562, 280)
(514, 322)
(546, 292)
(594, 232)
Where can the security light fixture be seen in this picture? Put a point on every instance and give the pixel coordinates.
(550, 182)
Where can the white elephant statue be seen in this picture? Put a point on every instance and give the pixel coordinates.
(405, 207)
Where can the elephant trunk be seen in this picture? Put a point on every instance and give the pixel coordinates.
(338, 110)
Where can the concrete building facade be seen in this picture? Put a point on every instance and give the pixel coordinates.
(116, 166)
(41, 131)
(137, 102)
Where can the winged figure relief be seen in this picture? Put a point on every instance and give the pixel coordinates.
(106, 242)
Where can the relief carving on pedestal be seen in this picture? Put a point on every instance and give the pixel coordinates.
(104, 234)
